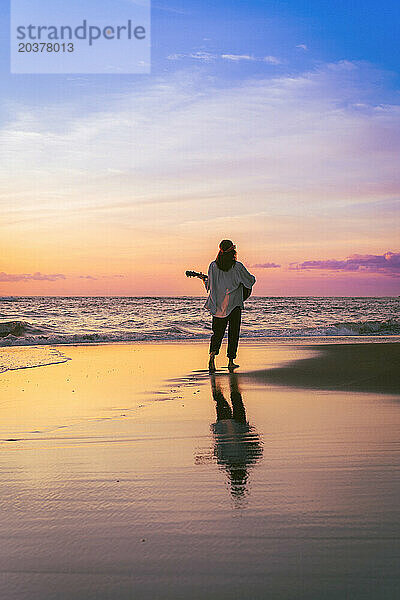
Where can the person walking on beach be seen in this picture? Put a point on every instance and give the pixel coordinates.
(226, 282)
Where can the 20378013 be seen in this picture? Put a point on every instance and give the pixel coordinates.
(46, 47)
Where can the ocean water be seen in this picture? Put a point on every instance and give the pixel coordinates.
(32, 321)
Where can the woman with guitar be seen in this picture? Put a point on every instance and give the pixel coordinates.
(228, 283)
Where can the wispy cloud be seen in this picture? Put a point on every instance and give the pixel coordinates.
(387, 264)
(201, 56)
(14, 277)
(208, 57)
(267, 265)
(290, 152)
(272, 60)
(302, 47)
(8, 277)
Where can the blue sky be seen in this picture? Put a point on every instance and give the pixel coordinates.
(283, 117)
(360, 31)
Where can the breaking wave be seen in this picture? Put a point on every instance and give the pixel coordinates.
(23, 333)
(18, 329)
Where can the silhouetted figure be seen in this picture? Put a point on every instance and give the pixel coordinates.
(228, 283)
(237, 446)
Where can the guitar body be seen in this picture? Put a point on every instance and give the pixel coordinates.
(246, 291)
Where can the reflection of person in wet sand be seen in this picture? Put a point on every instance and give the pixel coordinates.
(237, 446)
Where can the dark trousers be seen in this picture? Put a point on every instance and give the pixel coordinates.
(219, 327)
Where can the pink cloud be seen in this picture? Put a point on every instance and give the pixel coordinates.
(387, 264)
(15, 277)
(267, 265)
(9, 277)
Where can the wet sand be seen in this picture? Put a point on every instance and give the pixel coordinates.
(358, 367)
(128, 472)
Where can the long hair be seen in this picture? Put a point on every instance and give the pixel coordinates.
(226, 256)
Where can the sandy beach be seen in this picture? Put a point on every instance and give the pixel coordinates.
(129, 472)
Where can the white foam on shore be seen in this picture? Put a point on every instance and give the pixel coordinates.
(27, 357)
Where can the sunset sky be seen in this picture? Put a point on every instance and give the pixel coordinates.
(274, 124)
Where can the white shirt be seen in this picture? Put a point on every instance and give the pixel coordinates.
(226, 288)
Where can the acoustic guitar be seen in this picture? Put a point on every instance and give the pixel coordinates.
(246, 291)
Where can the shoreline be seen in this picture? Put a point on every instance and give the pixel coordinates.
(289, 340)
(295, 373)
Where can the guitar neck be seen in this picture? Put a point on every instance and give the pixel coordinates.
(196, 274)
